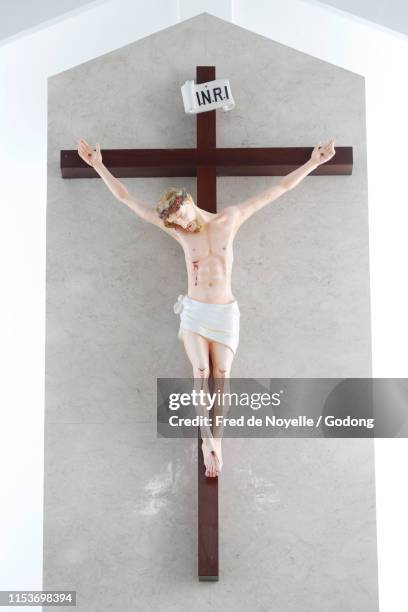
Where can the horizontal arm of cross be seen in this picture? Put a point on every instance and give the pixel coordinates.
(277, 161)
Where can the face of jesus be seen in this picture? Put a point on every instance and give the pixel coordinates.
(184, 216)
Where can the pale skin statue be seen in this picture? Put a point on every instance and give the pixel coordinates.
(209, 258)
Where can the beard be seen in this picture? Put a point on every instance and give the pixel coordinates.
(195, 227)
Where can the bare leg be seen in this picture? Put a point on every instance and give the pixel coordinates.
(198, 351)
(221, 357)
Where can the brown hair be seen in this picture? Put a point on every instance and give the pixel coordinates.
(169, 203)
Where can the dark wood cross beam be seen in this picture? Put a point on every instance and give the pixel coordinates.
(207, 488)
(205, 162)
(254, 161)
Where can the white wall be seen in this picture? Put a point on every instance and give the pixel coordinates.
(390, 14)
(101, 27)
(18, 16)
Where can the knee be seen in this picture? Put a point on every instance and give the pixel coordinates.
(220, 371)
(202, 371)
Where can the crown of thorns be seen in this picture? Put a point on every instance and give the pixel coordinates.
(172, 205)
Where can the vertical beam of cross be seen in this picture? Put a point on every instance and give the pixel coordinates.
(207, 487)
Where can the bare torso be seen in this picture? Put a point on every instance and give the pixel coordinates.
(209, 258)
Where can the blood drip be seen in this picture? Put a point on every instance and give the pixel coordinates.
(195, 267)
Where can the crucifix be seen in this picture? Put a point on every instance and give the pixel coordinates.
(205, 162)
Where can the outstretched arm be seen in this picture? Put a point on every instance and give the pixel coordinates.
(94, 159)
(247, 208)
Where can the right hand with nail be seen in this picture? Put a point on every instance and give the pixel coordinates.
(88, 154)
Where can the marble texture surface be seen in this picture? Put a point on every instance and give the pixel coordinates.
(297, 516)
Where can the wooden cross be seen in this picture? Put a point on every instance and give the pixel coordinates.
(205, 162)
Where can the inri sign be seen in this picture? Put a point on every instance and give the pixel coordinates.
(207, 96)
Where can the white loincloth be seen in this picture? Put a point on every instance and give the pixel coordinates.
(218, 322)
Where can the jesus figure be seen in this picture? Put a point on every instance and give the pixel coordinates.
(209, 312)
